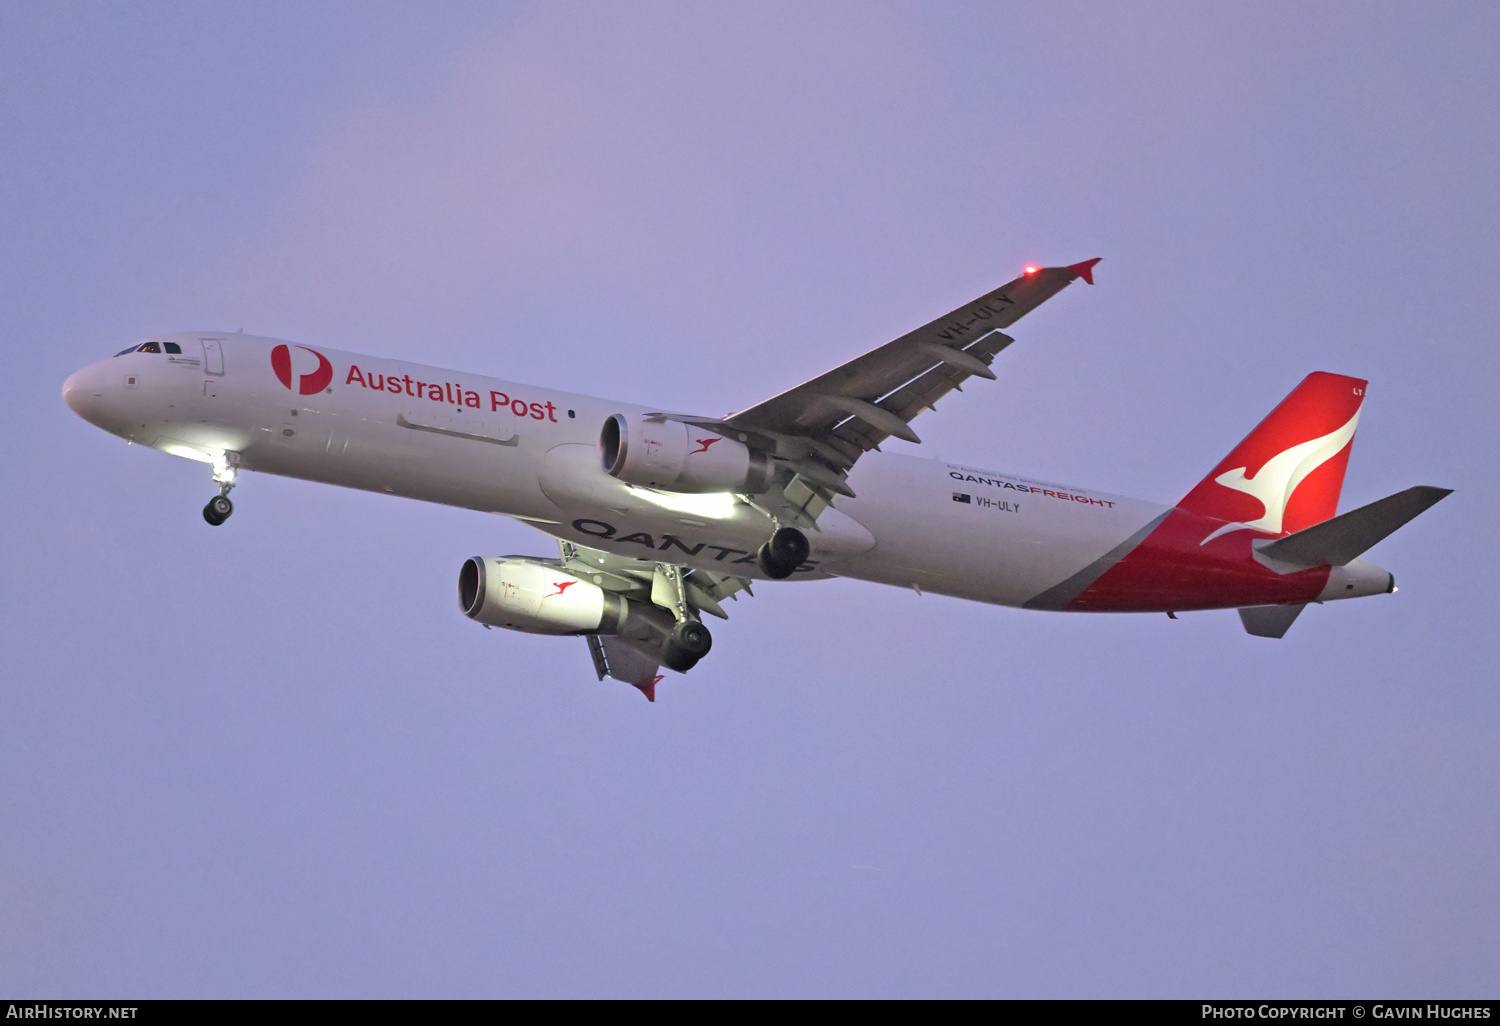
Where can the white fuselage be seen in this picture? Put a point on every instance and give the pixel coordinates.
(532, 453)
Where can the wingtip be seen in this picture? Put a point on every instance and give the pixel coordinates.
(1431, 494)
(648, 687)
(1085, 270)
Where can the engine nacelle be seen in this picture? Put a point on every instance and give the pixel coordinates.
(677, 457)
(535, 596)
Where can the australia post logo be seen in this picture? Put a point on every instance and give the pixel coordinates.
(307, 382)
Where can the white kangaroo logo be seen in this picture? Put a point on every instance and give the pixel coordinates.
(1275, 482)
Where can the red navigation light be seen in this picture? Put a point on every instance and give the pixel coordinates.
(1032, 270)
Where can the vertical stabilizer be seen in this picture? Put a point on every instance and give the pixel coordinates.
(1287, 474)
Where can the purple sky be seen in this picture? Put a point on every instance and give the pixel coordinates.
(274, 760)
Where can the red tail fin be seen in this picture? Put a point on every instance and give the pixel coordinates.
(1288, 472)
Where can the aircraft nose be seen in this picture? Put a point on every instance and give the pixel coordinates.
(83, 392)
(72, 392)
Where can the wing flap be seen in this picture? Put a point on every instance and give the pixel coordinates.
(837, 416)
(923, 391)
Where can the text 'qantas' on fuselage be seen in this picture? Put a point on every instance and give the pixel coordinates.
(662, 516)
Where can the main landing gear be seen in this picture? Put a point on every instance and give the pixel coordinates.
(219, 508)
(689, 640)
(783, 554)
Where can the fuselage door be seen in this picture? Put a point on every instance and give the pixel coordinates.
(213, 355)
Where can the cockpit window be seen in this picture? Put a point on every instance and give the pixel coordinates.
(153, 347)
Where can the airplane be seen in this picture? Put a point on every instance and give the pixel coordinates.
(659, 516)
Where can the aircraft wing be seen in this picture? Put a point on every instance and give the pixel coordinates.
(619, 658)
(824, 425)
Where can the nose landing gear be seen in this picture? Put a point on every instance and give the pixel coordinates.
(219, 507)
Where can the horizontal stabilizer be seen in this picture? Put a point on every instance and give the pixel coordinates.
(1335, 542)
(1269, 621)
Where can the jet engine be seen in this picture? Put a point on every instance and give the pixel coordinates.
(678, 457)
(537, 597)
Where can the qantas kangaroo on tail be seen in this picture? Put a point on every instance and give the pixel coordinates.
(661, 516)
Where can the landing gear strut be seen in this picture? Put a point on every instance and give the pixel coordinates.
(689, 640)
(783, 554)
(219, 508)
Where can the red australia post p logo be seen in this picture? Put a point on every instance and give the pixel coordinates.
(307, 384)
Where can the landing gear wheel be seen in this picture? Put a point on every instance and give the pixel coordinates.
(690, 641)
(693, 638)
(783, 554)
(218, 509)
